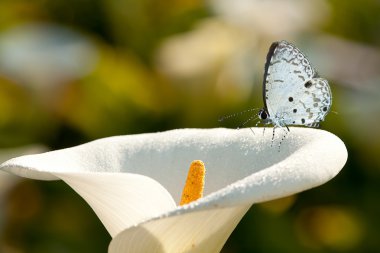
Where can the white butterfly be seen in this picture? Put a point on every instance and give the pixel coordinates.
(293, 93)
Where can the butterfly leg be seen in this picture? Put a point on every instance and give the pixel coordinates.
(263, 128)
(274, 128)
(283, 138)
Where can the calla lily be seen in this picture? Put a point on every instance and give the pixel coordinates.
(134, 182)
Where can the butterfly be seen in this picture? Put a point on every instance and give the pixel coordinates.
(293, 93)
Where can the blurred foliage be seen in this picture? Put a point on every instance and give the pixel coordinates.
(355, 21)
(159, 65)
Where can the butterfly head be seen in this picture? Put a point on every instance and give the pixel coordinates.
(263, 115)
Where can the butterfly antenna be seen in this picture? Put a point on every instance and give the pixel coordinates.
(248, 120)
(237, 114)
(336, 113)
(257, 123)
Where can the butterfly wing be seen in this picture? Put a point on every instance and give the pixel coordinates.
(311, 103)
(293, 94)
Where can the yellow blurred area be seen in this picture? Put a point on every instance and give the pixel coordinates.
(330, 227)
(17, 12)
(107, 99)
(26, 201)
(21, 118)
(279, 206)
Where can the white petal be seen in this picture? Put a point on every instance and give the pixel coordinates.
(202, 231)
(310, 158)
(306, 161)
(242, 168)
(121, 200)
(8, 180)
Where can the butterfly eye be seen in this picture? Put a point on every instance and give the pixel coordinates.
(263, 114)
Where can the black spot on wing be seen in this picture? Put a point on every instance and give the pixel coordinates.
(308, 84)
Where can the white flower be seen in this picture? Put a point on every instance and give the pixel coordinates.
(134, 182)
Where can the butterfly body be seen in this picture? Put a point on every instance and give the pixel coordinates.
(293, 93)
